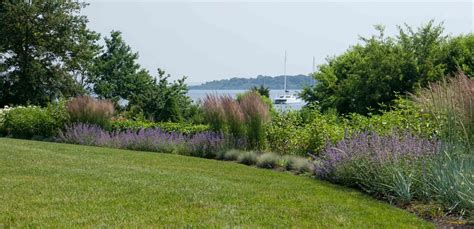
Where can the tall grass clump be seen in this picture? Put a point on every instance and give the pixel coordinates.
(85, 109)
(234, 117)
(214, 112)
(256, 113)
(451, 103)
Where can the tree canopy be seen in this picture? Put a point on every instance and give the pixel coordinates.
(44, 46)
(370, 75)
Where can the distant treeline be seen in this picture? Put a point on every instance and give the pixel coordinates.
(274, 83)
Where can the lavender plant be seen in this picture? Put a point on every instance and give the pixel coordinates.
(387, 166)
(206, 144)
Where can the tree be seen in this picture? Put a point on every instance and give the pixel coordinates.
(369, 76)
(165, 101)
(117, 75)
(262, 90)
(42, 45)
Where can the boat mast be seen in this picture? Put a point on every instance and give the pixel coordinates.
(284, 74)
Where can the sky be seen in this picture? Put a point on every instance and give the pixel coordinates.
(222, 39)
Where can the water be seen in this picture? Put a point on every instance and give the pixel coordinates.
(198, 95)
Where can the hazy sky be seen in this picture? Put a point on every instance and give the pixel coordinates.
(216, 40)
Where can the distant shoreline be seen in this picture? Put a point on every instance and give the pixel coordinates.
(296, 82)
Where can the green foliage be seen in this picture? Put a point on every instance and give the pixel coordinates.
(32, 121)
(185, 128)
(231, 155)
(289, 133)
(262, 90)
(117, 76)
(46, 49)
(369, 76)
(405, 116)
(165, 101)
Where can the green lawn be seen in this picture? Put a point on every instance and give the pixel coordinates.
(60, 185)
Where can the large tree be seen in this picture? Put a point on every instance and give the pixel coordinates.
(117, 75)
(44, 46)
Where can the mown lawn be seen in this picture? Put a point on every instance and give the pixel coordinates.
(60, 185)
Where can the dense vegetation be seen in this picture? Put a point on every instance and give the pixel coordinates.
(274, 83)
(392, 116)
(369, 76)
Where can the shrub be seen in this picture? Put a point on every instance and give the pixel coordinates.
(3, 113)
(214, 112)
(85, 109)
(385, 166)
(297, 164)
(32, 121)
(184, 128)
(205, 144)
(451, 102)
(231, 155)
(268, 160)
(248, 158)
(256, 115)
(288, 134)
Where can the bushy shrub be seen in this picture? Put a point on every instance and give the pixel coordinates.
(387, 166)
(3, 113)
(248, 158)
(85, 109)
(184, 128)
(268, 160)
(32, 121)
(257, 113)
(231, 155)
(451, 102)
(206, 144)
(289, 134)
(297, 164)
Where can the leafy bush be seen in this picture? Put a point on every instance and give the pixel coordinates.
(85, 109)
(268, 160)
(248, 158)
(404, 116)
(184, 128)
(288, 133)
(32, 121)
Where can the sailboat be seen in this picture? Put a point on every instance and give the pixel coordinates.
(287, 97)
